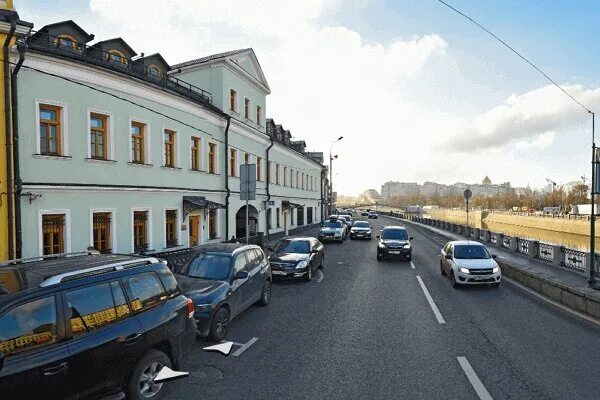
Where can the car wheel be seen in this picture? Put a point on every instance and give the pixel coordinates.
(496, 284)
(141, 384)
(265, 296)
(442, 269)
(218, 326)
(455, 284)
(308, 275)
(378, 257)
(322, 266)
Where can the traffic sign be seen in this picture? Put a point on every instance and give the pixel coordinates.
(248, 182)
(468, 193)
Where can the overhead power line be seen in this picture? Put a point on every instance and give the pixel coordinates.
(517, 53)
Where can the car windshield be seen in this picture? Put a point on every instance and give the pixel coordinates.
(209, 266)
(397, 234)
(471, 252)
(332, 224)
(293, 246)
(361, 224)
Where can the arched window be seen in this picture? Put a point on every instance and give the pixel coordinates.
(116, 56)
(155, 72)
(66, 40)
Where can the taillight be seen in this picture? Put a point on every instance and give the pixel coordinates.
(191, 308)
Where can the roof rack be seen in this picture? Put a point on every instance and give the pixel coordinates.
(49, 257)
(119, 266)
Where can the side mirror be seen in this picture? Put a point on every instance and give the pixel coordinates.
(240, 275)
(494, 256)
(411, 238)
(314, 251)
(378, 237)
(448, 256)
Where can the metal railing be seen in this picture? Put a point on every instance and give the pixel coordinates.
(523, 246)
(575, 259)
(546, 252)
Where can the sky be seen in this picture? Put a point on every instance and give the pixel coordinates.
(418, 92)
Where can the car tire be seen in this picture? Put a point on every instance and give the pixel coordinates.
(378, 257)
(141, 384)
(218, 325)
(308, 275)
(322, 266)
(496, 284)
(455, 284)
(442, 269)
(265, 295)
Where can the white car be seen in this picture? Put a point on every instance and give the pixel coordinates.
(469, 263)
(332, 230)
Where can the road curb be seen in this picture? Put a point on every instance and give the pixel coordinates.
(568, 296)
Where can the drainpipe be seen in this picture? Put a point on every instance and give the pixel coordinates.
(227, 177)
(322, 199)
(7, 131)
(268, 183)
(22, 47)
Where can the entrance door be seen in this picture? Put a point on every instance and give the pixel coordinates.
(194, 231)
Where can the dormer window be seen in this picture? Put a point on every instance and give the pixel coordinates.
(66, 40)
(115, 56)
(154, 72)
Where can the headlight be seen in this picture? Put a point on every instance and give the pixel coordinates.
(203, 307)
(496, 269)
(301, 264)
(381, 246)
(407, 246)
(369, 232)
(463, 270)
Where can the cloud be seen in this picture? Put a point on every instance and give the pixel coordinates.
(524, 118)
(542, 141)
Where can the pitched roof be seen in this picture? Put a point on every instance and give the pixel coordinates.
(209, 58)
(44, 29)
(118, 40)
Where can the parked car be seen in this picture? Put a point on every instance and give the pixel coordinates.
(296, 257)
(469, 263)
(360, 230)
(332, 230)
(347, 216)
(373, 214)
(346, 220)
(223, 280)
(87, 325)
(364, 214)
(394, 241)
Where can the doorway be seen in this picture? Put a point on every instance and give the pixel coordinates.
(194, 230)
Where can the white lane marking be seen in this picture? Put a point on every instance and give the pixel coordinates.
(553, 302)
(321, 276)
(474, 379)
(412, 265)
(437, 313)
(244, 347)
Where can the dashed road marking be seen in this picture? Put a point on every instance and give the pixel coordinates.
(244, 347)
(434, 308)
(474, 379)
(412, 265)
(321, 276)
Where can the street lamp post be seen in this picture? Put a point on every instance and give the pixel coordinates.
(592, 281)
(331, 157)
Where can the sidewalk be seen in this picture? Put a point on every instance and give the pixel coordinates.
(559, 284)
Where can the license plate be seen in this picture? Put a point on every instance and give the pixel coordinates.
(394, 252)
(278, 273)
(479, 278)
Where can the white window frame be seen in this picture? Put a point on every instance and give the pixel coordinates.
(236, 103)
(249, 117)
(67, 231)
(176, 152)
(201, 154)
(149, 227)
(147, 141)
(113, 226)
(237, 162)
(64, 125)
(260, 122)
(217, 157)
(111, 132)
(177, 226)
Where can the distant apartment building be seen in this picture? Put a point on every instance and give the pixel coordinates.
(399, 189)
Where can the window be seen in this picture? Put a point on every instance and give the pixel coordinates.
(285, 176)
(169, 282)
(252, 260)
(140, 231)
(28, 326)
(154, 72)
(50, 130)
(101, 231)
(232, 100)
(297, 179)
(232, 162)
(259, 115)
(258, 169)
(98, 136)
(239, 263)
(302, 184)
(145, 291)
(247, 158)
(137, 143)
(291, 177)
(277, 174)
(212, 224)
(212, 158)
(66, 40)
(115, 56)
(277, 217)
(53, 234)
(171, 227)
(195, 153)
(95, 307)
(247, 108)
(169, 147)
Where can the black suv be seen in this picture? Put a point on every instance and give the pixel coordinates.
(223, 280)
(394, 242)
(89, 326)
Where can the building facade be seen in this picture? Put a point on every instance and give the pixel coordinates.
(128, 154)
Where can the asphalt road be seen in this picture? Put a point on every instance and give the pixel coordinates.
(368, 331)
